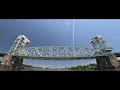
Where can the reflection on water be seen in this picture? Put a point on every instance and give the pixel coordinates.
(39, 69)
(34, 69)
(14, 69)
(28, 69)
(8, 69)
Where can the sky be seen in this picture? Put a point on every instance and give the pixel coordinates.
(59, 32)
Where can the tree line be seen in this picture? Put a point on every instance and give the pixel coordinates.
(84, 67)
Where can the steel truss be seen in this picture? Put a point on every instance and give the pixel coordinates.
(60, 52)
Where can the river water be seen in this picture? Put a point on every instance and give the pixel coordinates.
(29, 69)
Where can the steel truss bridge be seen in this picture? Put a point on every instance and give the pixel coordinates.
(100, 51)
(61, 52)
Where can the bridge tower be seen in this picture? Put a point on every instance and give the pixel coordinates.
(106, 62)
(20, 43)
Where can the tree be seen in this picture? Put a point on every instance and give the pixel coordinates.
(84, 67)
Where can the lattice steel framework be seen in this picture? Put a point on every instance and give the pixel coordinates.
(61, 52)
(21, 42)
(98, 42)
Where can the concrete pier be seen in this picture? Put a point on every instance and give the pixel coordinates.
(12, 61)
(108, 62)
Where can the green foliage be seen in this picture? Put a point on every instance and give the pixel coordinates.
(85, 67)
(30, 66)
(24, 65)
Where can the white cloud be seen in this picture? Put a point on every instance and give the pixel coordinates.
(67, 24)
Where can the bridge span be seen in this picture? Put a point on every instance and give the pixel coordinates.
(59, 53)
(2, 54)
(103, 54)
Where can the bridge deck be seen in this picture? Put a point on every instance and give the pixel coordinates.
(60, 58)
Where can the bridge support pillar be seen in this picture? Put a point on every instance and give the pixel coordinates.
(7, 60)
(12, 61)
(17, 62)
(107, 63)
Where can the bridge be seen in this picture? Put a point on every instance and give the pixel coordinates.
(103, 54)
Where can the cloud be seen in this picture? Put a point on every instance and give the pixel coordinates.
(67, 24)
